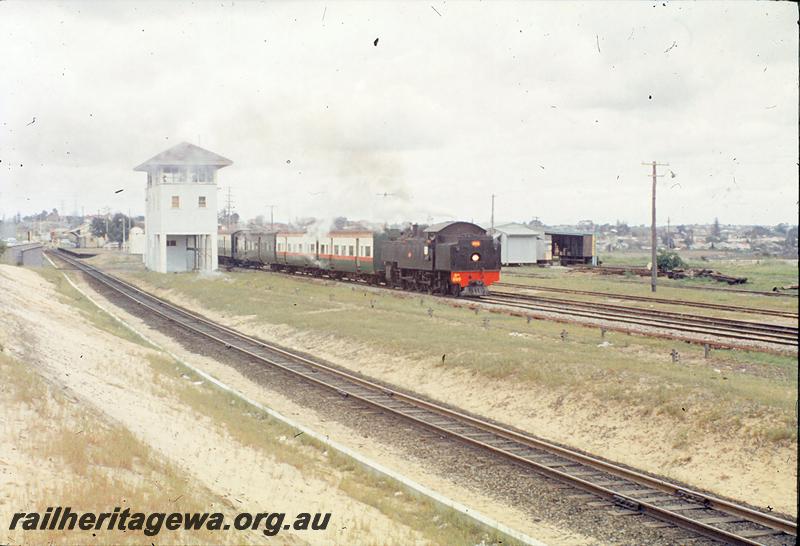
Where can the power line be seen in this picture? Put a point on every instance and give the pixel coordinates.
(228, 209)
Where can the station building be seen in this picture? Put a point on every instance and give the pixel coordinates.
(181, 209)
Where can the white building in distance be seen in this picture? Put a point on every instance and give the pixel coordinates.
(521, 245)
(137, 241)
(181, 209)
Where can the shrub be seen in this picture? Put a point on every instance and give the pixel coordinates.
(667, 261)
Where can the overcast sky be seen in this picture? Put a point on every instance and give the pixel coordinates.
(551, 106)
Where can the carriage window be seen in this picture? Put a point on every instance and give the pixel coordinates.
(336, 249)
(351, 252)
(367, 251)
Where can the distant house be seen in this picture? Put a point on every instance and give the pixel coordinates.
(136, 241)
(82, 237)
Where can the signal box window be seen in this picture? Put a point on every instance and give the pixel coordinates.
(201, 201)
(176, 201)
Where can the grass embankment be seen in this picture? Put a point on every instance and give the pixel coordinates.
(89, 463)
(277, 442)
(88, 310)
(750, 394)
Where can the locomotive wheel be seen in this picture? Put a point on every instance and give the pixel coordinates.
(455, 290)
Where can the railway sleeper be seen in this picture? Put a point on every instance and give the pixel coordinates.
(753, 533)
(681, 507)
(627, 504)
(692, 497)
(721, 519)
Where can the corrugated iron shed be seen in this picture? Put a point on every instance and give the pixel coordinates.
(27, 254)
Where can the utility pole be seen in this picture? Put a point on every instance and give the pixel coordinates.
(669, 244)
(228, 209)
(653, 239)
(491, 230)
(271, 217)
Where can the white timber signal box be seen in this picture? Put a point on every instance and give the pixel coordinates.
(181, 209)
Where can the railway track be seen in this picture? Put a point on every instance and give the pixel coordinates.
(648, 299)
(785, 336)
(778, 336)
(624, 488)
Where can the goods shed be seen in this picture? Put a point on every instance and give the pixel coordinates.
(571, 247)
(519, 244)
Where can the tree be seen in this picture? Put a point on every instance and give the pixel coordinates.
(98, 226)
(2, 248)
(224, 219)
(118, 228)
(112, 228)
(667, 261)
(715, 230)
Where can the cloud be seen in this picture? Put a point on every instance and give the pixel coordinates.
(444, 112)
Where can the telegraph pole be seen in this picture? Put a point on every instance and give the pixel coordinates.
(653, 239)
(228, 209)
(271, 217)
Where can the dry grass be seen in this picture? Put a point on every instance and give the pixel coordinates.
(254, 428)
(93, 465)
(634, 372)
(97, 317)
(762, 273)
(80, 450)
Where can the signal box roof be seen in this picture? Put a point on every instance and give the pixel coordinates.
(185, 154)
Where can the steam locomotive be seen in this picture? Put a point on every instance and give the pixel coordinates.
(450, 258)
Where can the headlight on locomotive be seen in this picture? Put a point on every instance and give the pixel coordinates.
(475, 257)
